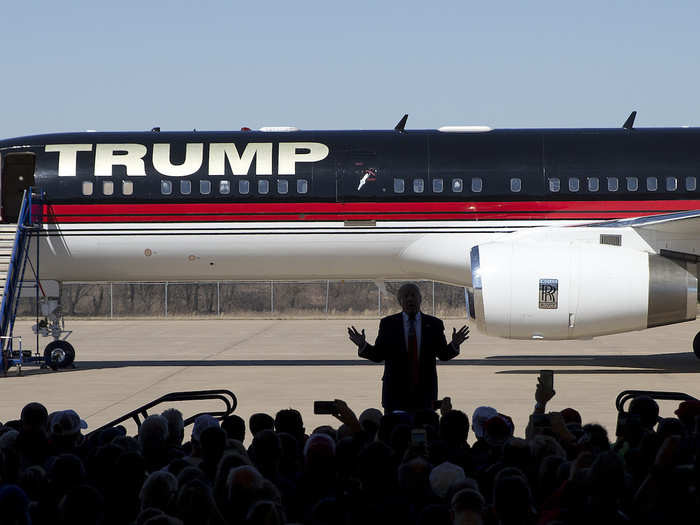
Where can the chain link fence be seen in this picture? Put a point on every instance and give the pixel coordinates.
(237, 299)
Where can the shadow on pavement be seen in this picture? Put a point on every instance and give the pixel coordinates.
(678, 363)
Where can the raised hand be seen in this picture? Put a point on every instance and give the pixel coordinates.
(459, 337)
(542, 394)
(356, 337)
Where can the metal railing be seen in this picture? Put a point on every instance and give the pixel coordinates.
(227, 397)
(15, 274)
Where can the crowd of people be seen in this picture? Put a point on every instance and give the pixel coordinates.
(434, 467)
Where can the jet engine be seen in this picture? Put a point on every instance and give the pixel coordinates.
(527, 290)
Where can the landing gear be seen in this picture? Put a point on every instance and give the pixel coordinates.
(59, 354)
(696, 345)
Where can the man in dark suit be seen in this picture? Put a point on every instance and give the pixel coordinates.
(408, 343)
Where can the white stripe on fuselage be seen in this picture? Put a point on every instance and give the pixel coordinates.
(265, 250)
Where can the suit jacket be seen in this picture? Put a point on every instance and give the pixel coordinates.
(390, 347)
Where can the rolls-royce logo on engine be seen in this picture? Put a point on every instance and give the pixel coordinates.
(549, 294)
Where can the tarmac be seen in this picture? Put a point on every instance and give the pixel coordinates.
(272, 364)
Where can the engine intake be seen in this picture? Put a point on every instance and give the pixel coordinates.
(569, 291)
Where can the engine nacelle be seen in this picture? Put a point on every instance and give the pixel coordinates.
(567, 291)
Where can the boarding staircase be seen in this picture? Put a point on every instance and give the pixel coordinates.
(7, 240)
(14, 255)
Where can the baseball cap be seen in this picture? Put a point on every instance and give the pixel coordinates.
(66, 423)
(480, 417)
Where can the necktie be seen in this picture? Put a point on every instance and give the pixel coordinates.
(413, 353)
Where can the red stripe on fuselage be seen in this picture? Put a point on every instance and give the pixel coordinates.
(385, 211)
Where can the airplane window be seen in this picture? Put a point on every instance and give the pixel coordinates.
(282, 186)
(127, 187)
(204, 187)
(302, 186)
(632, 183)
(574, 184)
(243, 187)
(477, 184)
(671, 183)
(185, 187)
(437, 185)
(691, 184)
(516, 184)
(108, 187)
(613, 184)
(399, 186)
(593, 184)
(652, 184)
(166, 187)
(87, 187)
(418, 185)
(224, 187)
(554, 184)
(457, 185)
(263, 186)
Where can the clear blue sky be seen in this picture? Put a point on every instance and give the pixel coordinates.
(75, 65)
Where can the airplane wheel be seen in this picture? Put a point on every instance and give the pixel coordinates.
(59, 354)
(696, 345)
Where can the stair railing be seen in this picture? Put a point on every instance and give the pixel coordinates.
(227, 397)
(15, 276)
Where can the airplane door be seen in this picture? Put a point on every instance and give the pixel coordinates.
(16, 175)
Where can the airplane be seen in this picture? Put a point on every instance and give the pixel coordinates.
(555, 233)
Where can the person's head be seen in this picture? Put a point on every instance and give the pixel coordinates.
(265, 512)
(176, 426)
(15, 505)
(467, 507)
(227, 463)
(245, 486)
(201, 423)
(687, 411)
(159, 491)
(479, 418)
(454, 428)
(594, 439)
(646, 409)
(260, 421)
(234, 426)
(290, 421)
(547, 475)
(319, 453)
(413, 475)
(34, 418)
(409, 298)
(65, 430)
(82, 505)
(212, 443)
(376, 467)
(369, 420)
(34, 481)
(512, 500)
(66, 472)
(444, 476)
(195, 504)
(607, 477)
(188, 474)
(153, 433)
(266, 450)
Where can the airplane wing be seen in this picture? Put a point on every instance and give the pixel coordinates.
(676, 232)
(685, 221)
